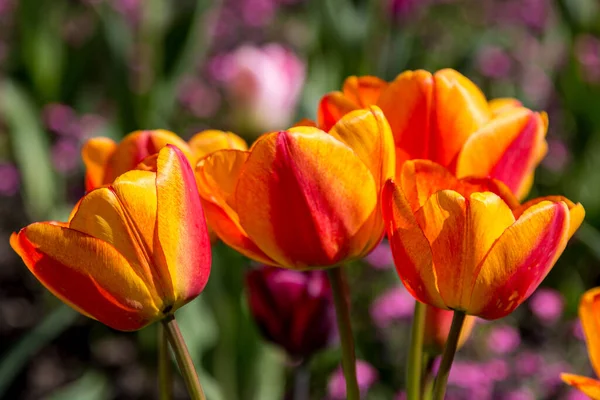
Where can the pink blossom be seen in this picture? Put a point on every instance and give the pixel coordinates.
(547, 305)
(11, 181)
(263, 84)
(381, 257)
(365, 374)
(393, 305)
(503, 339)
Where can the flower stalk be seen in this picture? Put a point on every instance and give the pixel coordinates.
(186, 366)
(165, 375)
(415, 355)
(439, 388)
(341, 299)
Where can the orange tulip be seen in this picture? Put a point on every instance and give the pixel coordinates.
(466, 244)
(302, 198)
(132, 252)
(589, 313)
(437, 328)
(105, 160)
(445, 118)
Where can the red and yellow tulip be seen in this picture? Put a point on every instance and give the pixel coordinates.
(105, 160)
(589, 313)
(444, 117)
(466, 244)
(132, 252)
(302, 198)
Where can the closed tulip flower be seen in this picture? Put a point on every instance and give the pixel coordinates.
(293, 309)
(132, 252)
(302, 198)
(589, 313)
(437, 327)
(467, 245)
(444, 117)
(105, 160)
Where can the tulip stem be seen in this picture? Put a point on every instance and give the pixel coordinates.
(186, 365)
(439, 388)
(302, 381)
(415, 353)
(165, 377)
(341, 299)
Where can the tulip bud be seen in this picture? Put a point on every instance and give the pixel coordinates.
(292, 309)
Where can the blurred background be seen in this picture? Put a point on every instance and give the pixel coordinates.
(74, 69)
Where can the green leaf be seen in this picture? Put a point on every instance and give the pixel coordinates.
(31, 150)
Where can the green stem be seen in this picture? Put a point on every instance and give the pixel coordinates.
(186, 366)
(439, 388)
(165, 377)
(341, 299)
(302, 381)
(427, 386)
(415, 354)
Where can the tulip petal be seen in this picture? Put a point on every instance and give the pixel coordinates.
(500, 105)
(460, 110)
(364, 91)
(140, 144)
(513, 144)
(519, 260)
(211, 140)
(589, 386)
(422, 178)
(443, 221)
(181, 230)
(406, 103)
(488, 217)
(589, 313)
(576, 211)
(304, 199)
(86, 273)
(124, 218)
(96, 153)
(332, 107)
(217, 176)
(411, 250)
(367, 132)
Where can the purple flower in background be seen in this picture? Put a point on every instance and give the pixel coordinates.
(550, 377)
(381, 257)
(587, 51)
(497, 370)
(263, 84)
(391, 306)
(65, 155)
(575, 394)
(60, 119)
(256, 13)
(365, 374)
(293, 309)
(503, 339)
(201, 100)
(404, 8)
(577, 330)
(494, 62)
(558, 155)
(547, 305)
(519, 394)
(528, 363)
(10, 180)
